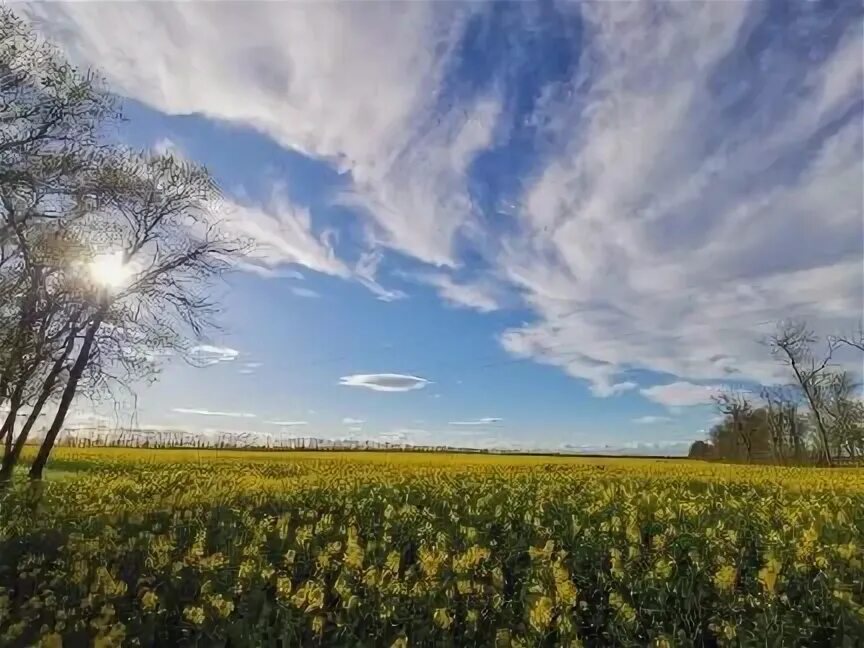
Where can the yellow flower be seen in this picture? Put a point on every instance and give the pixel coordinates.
(283, 588)
(149, 601)
(769, 573)
(565, 591)
(113, 639)
(247, 570)
(222, 606)
(625, 610)
(441, 618)
(617, 568)
(51, 640)
(725, 578)
(540, 613)
(194, 614)
(502, 638)
(318, 624)
(392, 562)
(354, 553)
(463, 586)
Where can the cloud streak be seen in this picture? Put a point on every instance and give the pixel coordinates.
(306, 293)
(384, 382)
(681, 394)
(651, 420)
(206, 412)
(489, 420)
(208, 354)
(482, 296)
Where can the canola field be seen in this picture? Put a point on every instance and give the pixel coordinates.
(206, 548)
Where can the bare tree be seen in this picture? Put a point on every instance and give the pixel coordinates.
(737, 407)
(845, 412)
(156, 231)
(12, 451)
(854, 340)
(49, 119)
(41, 339)
(105, 254)
(792, 344)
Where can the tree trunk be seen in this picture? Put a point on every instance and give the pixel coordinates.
(8, 430)
(823, 434)
(10, 458)
(4, 384)
(66, 399)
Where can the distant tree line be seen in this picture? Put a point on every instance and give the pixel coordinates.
(817, 418)
(106, 254)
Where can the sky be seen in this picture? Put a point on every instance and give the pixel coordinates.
(516, 225)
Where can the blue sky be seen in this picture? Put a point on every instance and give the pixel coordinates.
(554, 224)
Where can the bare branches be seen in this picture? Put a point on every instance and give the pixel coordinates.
(854, 340)
(737, 407)
(65, 199)
(792, 344)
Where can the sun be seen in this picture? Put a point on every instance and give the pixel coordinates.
(109, 270)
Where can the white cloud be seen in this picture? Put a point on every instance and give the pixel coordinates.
(384, 382)
(694, 200)
(304, 292)
(352, 421)
(287, 423)
(489, 420)
(208, 354)
(650, 420)
(365, 271)
(692, 194)
(165, 145)
(281, 234)
(681, 394)
(356, 85)
(483, 296)
(420, 202)
(206, 412)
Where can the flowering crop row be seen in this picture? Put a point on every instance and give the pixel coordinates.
(241, 548)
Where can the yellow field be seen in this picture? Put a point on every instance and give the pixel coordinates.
(196, 547)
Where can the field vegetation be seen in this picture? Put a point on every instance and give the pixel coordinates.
(186, 547)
